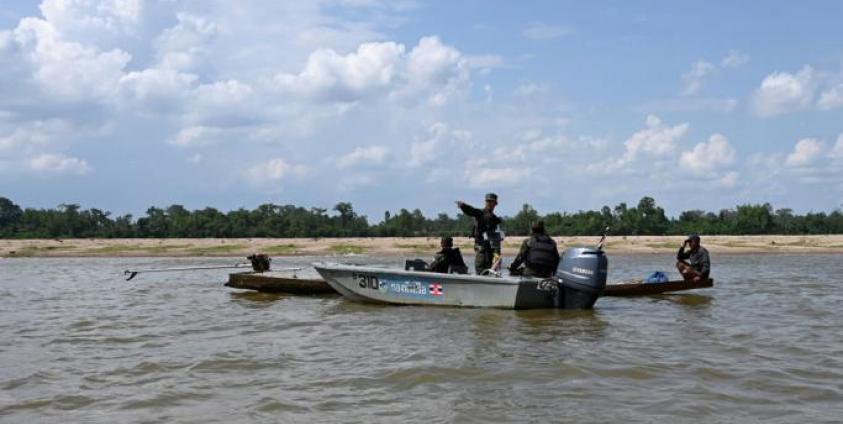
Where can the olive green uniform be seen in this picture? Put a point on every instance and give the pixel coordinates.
(485, 229)
(446, 259)
(549, 258)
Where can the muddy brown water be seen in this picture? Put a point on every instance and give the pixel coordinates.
(79, 344)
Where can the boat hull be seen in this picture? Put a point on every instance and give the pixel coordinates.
(276, 282)
(380, 285)
(646, 289)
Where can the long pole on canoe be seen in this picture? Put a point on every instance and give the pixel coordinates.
(131, 274)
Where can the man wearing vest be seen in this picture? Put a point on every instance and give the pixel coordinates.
(538, 254)
(449, 259)
(486, 237)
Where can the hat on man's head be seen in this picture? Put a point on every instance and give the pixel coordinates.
(693, 236)
(492, 196)
(537, 227)
(447, 241)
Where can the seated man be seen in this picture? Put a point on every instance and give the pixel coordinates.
(448, 259)
(538, 254)
(694, 265)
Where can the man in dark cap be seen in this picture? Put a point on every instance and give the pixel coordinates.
(449, 259)
(538, 254)
(695, 264)
(487, 241)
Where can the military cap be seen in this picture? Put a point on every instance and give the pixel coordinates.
(447, 241)
(693, 236)
(492, 196)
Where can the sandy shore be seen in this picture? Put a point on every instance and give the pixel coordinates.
(418, 246)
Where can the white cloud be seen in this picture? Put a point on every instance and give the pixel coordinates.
(436, 68)
(831, 98)
(157, 90)
(728, 180)
(380, 68)
(707, 156)
(223, 92)
(196, 136)
(184, 45)
(656, 140)
(25, 136)
(94, 16)
(479, 175)
(837, 151)
(58, 164)
(68, 69)
(543, 31)
(354, 181)
(333, 77)
(734, 59)
(783, 92)
(804, 152)
(372, 155)
(531, 89)
(273, 170)
(693, 79)
(441, 141)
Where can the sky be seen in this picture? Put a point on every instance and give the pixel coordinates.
(567, 106)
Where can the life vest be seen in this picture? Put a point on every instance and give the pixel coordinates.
(446, 259)
(543, 254)
(455, 257)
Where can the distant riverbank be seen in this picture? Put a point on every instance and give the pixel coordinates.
(391, 246)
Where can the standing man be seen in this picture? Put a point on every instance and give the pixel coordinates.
(538, 254)
(694, 265)
(487, 240)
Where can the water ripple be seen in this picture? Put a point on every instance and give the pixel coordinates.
(82, 345)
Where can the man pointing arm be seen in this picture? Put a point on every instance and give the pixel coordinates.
(485, 233)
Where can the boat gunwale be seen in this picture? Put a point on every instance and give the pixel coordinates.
(462, 278)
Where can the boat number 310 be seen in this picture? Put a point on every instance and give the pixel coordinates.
(366, 281)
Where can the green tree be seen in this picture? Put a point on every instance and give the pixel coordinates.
(753, 219)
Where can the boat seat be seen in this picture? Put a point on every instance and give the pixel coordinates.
(415, 265)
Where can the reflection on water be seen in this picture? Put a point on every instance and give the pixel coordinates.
(82, 345)
(688, 299)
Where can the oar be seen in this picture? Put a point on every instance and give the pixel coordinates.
(132, 274)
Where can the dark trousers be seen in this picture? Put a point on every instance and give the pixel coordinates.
(484, 254)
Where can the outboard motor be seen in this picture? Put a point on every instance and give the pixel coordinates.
(582, 277)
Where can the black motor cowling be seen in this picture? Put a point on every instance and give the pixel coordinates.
(581, 276)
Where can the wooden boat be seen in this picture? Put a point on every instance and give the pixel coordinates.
(638, 288)
(278, 282)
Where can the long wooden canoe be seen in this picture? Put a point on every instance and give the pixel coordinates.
(644, 289)
(276, 282)
(272, 282)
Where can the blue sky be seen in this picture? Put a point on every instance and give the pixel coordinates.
(124, 104)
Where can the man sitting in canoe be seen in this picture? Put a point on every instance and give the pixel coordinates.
(449, 259)
(694, 265)
(538, 254)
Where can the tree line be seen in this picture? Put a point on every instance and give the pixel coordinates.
(271, 220)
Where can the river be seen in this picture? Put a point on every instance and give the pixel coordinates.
(79, 344)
